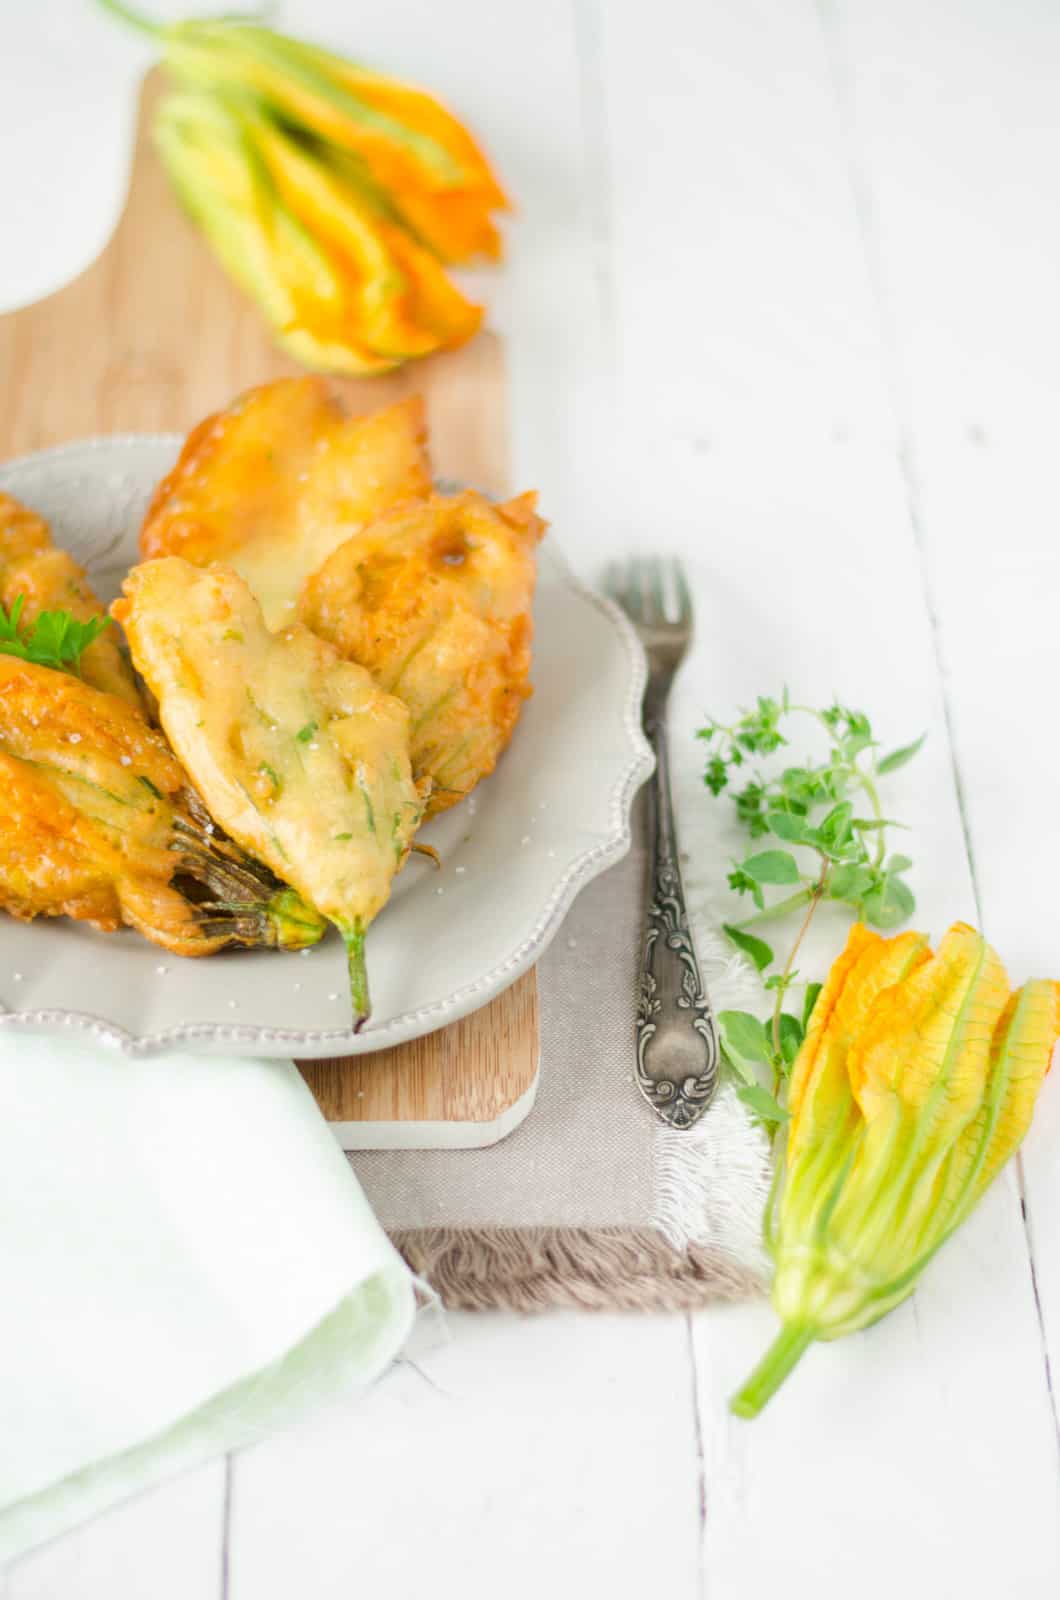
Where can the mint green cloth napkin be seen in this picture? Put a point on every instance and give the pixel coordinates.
(186, 1262)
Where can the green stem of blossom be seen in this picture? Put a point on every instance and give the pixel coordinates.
(134, 19)
(353, 937)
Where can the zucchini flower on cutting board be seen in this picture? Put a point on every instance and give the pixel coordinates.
(344, 289)
(298, 755)
(916, 1081)
(406, 142)
(333, 195)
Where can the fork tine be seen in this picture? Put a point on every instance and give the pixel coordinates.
(647, 588)
(633, 596)
(650, 591)
(628, 590)
(612, 582)
(657, 589)
(684, 598)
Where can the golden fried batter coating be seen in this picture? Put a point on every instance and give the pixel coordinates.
(434, 599)
(96, 823)
(51, 580)
(299, 755)
(274, 483)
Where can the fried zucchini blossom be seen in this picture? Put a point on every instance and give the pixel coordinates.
(98, 822)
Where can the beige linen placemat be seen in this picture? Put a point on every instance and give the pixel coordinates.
(591, 1202)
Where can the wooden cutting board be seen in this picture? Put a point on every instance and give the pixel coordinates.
(151, 338)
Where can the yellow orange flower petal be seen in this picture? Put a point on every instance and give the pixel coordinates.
(820, 1078)
(915, 1083)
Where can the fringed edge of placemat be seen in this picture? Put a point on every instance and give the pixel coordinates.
(592, 1269)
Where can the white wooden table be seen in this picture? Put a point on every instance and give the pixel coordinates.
(782, 295)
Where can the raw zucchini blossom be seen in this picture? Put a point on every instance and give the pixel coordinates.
(915, 1083)
(330, 193)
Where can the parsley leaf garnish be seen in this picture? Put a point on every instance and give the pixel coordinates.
(55, 639)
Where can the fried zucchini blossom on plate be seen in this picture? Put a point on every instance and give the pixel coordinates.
(434, 598)
(278, 480)
(299, 755)
(38, 578)
(98, 822)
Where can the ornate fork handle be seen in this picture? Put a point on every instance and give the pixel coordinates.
(677, 1038)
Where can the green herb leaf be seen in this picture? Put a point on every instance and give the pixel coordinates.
(716, 775)
(742, 883)
(305, 734)
(763, 1104)
(790, 1037)
(809, 1000)
(757, 949)
(748, 802)
(890, 904)
(898, 758)
(812, 804)
(835, 834)
(771, 866)
(744, 1041)
(851, 881)
(790, 827)
(855, 743)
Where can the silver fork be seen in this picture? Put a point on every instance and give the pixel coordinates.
(677, 1037)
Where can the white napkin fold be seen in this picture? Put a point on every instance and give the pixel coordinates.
(186, 1261)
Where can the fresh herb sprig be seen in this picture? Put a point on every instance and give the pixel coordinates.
(831, 812)
(55, 639)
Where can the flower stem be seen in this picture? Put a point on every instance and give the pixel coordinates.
(134, 19)
(787, 1349)
(362, 1005)
(814, 896)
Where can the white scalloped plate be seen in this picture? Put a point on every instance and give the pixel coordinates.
(553, 816)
